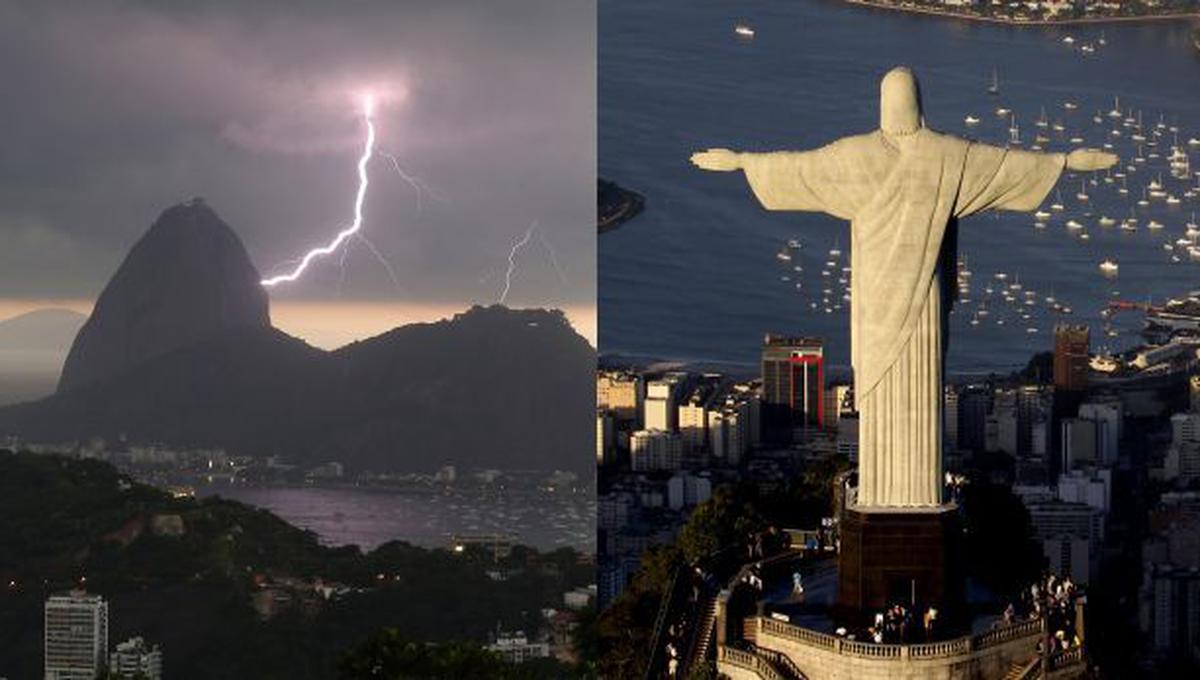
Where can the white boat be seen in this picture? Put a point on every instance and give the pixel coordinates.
(994, 88)
(744, 31)
(1082, 195)
(971, 120)
(1172, 199)
(1001, 111)
(1073, 225)
(1070, 105)
(1116, 109)
(1068, 40)
(784, 255)
(1154, 225)
(1057, 205)
(1106, 221)
(793, 244)
(1042, 215)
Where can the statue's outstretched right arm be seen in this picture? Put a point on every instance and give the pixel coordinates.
(781, 180)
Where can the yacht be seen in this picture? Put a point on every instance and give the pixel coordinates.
(1106, 221)
(1154, 225)
(971, 120)
(744, 31)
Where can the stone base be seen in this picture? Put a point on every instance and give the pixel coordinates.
(900, 555)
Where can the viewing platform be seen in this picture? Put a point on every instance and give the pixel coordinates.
(766, 633)
(776, 650)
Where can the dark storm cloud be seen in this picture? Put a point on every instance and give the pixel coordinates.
(113, 111)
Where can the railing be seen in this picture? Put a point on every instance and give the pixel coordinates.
(660, 623)
(749, 661)
(1003, 634)
(810, 637)
(930, 650)
(1066, 658)
(935, 650)
(781, 661)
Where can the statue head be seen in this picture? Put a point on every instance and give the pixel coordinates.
(900, 102)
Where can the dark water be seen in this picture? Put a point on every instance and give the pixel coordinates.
(695, 277)
(368, 518)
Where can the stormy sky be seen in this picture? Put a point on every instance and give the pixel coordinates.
(112, 111)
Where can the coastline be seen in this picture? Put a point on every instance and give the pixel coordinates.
(1074, 21)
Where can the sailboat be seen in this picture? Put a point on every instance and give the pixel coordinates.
(1014, 132)
(1082, 195)
(994, 88)
(1116, 109)
(1057, 205)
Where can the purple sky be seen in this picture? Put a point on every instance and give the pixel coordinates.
(113, 111)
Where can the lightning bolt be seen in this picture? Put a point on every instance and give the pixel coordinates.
(368, 148)
(553, 256)
(512, 260)
(419, 185)
(382, 260)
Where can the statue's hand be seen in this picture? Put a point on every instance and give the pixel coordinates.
(1091, 159)
(718, 160)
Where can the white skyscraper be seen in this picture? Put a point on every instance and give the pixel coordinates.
(76, 636)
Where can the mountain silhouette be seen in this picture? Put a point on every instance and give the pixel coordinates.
(491, 387)
(188, 279)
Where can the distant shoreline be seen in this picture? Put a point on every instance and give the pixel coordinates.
(1003, 21)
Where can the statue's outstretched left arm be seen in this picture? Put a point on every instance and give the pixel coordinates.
(998, 178)
(717, 160)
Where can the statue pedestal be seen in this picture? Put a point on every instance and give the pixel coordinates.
(900, 556)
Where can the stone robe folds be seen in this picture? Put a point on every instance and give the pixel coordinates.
(899, 193)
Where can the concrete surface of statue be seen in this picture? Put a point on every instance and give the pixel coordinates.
(901, 187)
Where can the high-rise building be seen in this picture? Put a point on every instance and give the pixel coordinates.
(1107, 415)
(1174, 624)
(950, 411)
(135, 659)
(76, 636)
(660, 407)
(619, 392)
(693, 419)
(729, 431)
(1071, 535)
(655, 450)
(1071, 348)
(1079, 442)
(793, 392)
(974, 404)
(605, 437)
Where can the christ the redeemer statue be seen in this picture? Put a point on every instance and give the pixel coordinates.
(900, 186)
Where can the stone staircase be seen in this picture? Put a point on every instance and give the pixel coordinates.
(704, 629)
(1025, 670)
